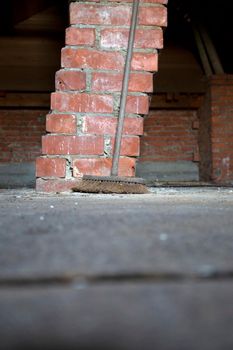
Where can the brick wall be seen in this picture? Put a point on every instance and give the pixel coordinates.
(20, 135)
(204, 139)
(221, 90)
(85, 106)
(169, 136)
(203, 136)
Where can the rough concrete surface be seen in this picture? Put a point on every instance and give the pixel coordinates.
(112, 272)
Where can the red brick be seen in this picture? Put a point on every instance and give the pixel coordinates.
(89, 58)
(113, 82)
(196, 124)
(80, 102)
(116, 15)
(102, 167)
(80, 36)
(155, 15)
(137, 104)
(56, 185)
(70, 80)
(49, 167)
(99, 14)
(118, 38)
(130, 146)
(61, 145)
(145, 61)
(107, 125)
(61, 123)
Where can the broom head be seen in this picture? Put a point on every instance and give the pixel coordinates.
(111, 184)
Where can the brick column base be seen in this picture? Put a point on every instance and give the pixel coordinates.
(216, 131)
(85, 106)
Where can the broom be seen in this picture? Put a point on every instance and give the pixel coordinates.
(115, 183)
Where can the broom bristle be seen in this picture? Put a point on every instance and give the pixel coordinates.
(98, 186)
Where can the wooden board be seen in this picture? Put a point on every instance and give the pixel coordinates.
(28, 63)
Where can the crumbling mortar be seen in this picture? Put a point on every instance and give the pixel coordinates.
(81, 26)
(135, 93)
(80, 124)
(88, 81)
(70, 91)
(73, 69)
(97, 37)
(61, 113)
(93, 114)
(151, 50)
(133, 116)
(105, 92)
(69, 168)
(107, 146)
(110, 26)
(116, 103)
(51, 156)
(115, 71)
(107, 49)
(50, 177)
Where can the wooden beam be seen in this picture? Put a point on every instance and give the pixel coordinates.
(24, 100)
(211, 50)
(15, 11)
(24, 9)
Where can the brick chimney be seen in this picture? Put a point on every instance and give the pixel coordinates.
(84, 109)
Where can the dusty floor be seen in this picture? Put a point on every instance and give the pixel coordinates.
(151, 271)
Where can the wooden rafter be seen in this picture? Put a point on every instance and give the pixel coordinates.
(14, 11)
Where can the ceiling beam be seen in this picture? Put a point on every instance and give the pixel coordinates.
(14, 11)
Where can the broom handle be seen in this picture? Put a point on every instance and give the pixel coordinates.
(124, 91)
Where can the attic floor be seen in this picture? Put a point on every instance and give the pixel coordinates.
(81, 271)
